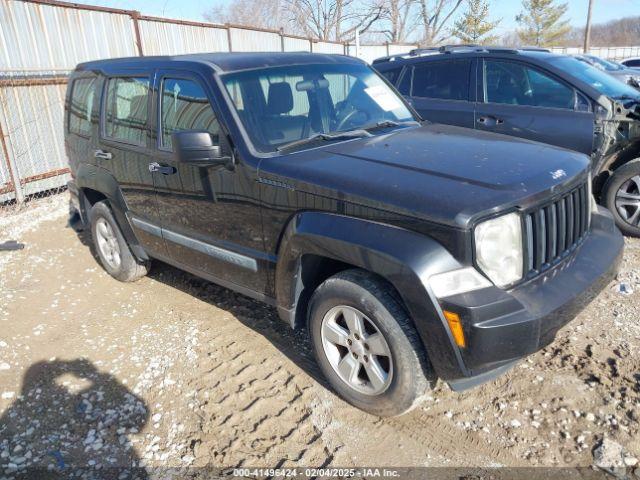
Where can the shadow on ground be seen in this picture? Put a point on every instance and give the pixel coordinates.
(70, 419)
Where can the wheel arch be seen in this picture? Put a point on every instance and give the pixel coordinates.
(317, 245)
(96, 184)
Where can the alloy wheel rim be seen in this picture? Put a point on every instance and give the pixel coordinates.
(357, 350)
(108, 243)
(628, 201)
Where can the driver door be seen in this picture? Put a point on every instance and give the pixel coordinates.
(523, 101)
(210, 215)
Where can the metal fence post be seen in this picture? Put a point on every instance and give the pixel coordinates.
(228, 27)
(135, 16)
(13, 172)
(281, 39)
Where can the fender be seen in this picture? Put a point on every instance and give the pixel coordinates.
(405, 259)
(101, 180)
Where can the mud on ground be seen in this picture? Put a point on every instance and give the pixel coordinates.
(173, 371)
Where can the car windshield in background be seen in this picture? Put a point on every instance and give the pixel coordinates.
(283, 107)
(605, 64)
(601, 81)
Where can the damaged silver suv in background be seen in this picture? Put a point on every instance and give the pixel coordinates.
(538, 95)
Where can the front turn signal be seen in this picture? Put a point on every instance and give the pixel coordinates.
(455, 325)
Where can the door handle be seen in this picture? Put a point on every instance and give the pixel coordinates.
(102, 154)
(490, 120)
(156, 167)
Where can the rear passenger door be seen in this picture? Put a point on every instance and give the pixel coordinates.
(524, 101)
(441, 90)
(125, 150)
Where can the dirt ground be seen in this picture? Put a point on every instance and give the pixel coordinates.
(173, 371)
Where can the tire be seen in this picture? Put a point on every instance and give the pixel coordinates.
(111, 247)
(620, 194)
(403, 376)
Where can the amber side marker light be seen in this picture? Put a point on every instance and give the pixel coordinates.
(455, 325)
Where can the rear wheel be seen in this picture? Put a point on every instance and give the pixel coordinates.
(366, 344)
(115, 255)
(622, 196)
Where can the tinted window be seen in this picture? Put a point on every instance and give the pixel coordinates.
(405, 82)
(447, 80)
(392, 75)
(185, 106)
(82, 95)
(632, 63)
(279, 105)
(126, 109)
(517, 84)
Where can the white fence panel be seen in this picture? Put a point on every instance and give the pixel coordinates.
(243, 40)
(369, 53)
(38, 36)
(400, 49)
(328, 47)
(296, 44)
(163, 38)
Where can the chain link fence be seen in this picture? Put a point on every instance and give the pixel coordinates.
(33, 162)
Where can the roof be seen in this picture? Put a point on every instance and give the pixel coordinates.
(225, 62)
(419, 53)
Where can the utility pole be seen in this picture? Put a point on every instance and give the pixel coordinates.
(587, 30)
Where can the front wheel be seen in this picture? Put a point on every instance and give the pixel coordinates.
(621, 195)
(366, 344)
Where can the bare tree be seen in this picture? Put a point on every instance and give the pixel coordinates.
(256, 13)
(435, 17)
(400, 20)
(334, 19)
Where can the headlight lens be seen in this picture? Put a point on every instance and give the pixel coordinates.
(457, 281)
(499, 248)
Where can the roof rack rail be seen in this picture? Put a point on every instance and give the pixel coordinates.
(418, 51)
(534, 49)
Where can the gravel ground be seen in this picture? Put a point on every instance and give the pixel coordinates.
(174, 372)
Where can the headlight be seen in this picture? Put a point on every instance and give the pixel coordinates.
(499, 248)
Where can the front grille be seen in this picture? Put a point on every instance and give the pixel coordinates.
(553, 230)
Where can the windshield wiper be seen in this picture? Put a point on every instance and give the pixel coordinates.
(325, 136)
(390, 124)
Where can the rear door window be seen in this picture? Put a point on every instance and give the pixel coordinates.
(514, 83)
(126, 111)
(185, 106)
(448, 80)
(82, 97)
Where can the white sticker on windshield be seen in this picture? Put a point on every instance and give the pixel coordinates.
(383, 97)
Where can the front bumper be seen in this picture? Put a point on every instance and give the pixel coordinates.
(504, 326)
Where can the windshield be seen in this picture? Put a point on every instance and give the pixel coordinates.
(282, 105)
(605, 64)
(601, 81)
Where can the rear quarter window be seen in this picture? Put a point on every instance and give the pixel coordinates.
(126, 109)
(81, 106)
(392, 74)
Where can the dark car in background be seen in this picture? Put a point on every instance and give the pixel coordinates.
(538, 95)
(408, 251)
(633, 62)
(621, 72)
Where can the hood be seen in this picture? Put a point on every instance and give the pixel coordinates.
(441, 173)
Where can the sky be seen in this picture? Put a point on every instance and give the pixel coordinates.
(506, 10)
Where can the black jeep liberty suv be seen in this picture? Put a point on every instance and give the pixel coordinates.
(410, 251)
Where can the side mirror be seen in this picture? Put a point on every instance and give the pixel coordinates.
(198, 148)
